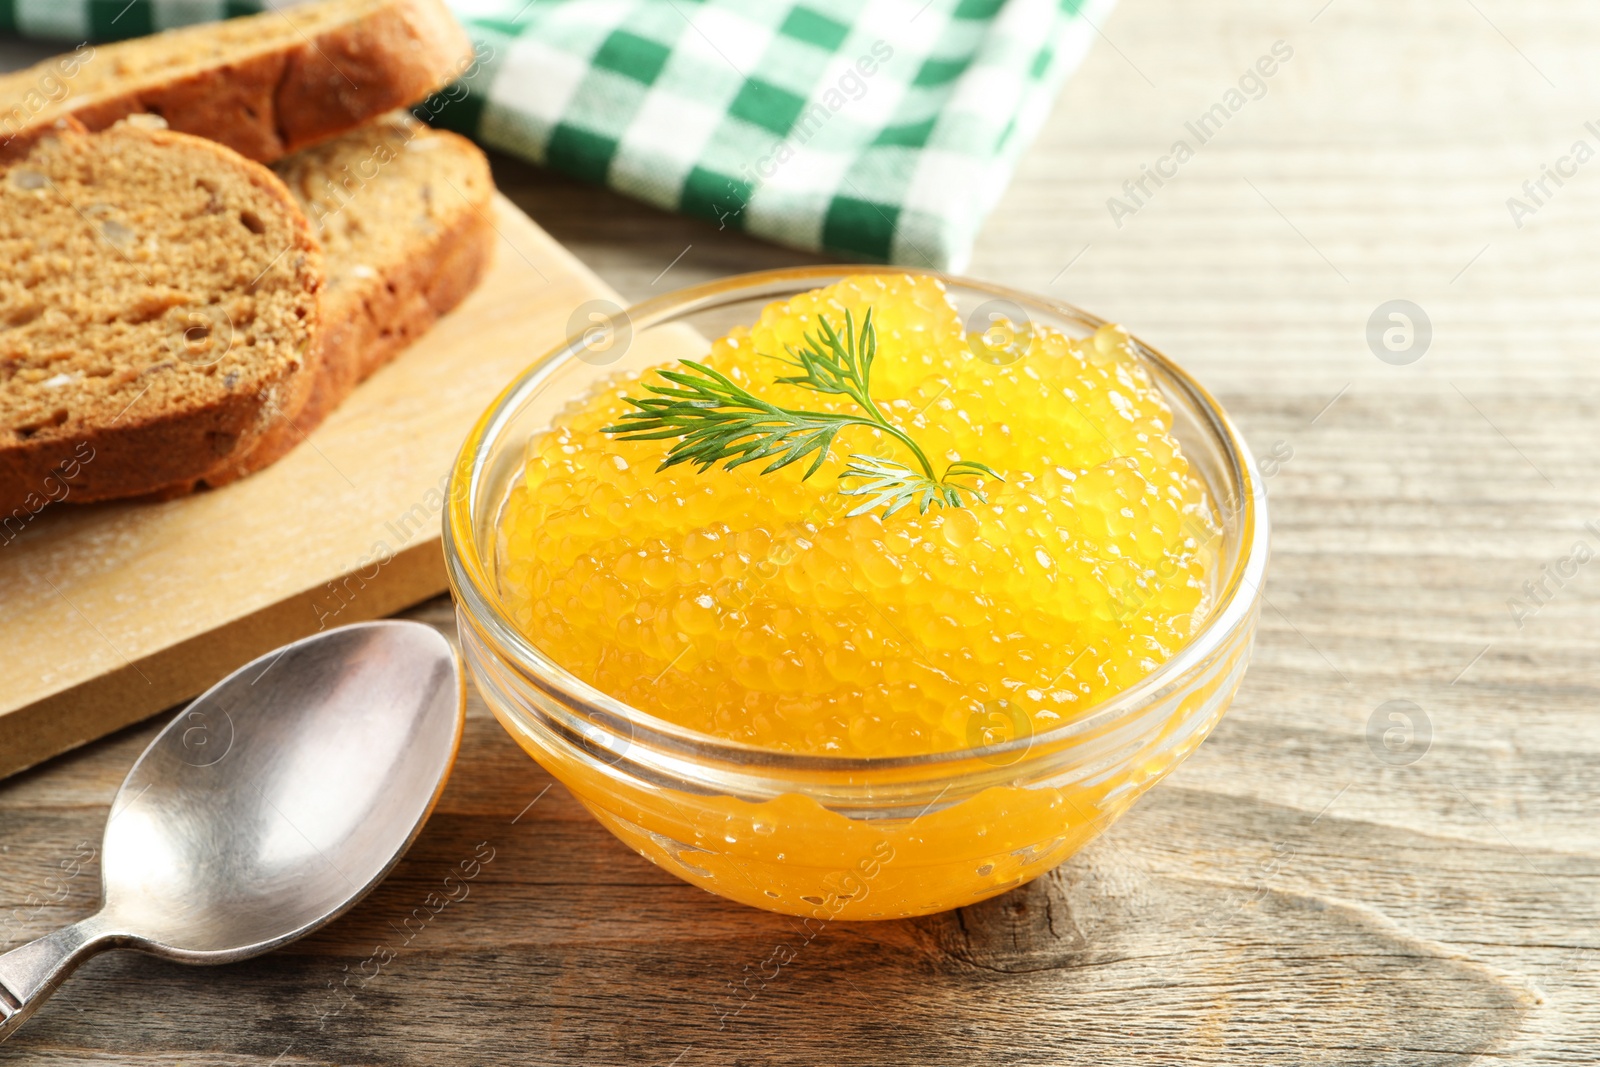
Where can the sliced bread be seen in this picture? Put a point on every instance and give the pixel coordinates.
(403, 214)
(159, 308)
(264, 85)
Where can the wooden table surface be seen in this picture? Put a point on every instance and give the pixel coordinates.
(1322, 883)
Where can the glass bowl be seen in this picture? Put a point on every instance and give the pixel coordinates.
(826, 837)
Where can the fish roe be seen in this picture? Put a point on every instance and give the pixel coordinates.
(754, 608)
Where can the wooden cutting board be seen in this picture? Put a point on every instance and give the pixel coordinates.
(112, 612)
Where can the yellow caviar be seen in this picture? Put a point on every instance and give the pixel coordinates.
(750, 607)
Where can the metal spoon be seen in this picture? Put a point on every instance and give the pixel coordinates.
(269, 806)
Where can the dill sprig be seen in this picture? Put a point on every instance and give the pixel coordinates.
(716, 420)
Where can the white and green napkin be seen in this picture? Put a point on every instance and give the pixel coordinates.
(883, 129)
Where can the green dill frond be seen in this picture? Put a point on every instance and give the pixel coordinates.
(716, 420)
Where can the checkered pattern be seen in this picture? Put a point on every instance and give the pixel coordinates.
(878, 129)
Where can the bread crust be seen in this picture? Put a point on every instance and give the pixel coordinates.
(366, 327)
(269, 104)
(141, 453)
(134, 459)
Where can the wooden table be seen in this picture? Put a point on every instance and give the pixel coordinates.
(1305, 890)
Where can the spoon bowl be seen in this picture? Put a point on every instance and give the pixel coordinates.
(268, 807)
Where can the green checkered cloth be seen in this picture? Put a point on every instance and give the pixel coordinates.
(878, 129)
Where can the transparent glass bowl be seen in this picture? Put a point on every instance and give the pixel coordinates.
(823, 837)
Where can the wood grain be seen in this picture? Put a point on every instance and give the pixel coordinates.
(115, 611)
(1295, 893)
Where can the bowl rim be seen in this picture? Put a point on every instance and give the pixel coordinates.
(473, 590)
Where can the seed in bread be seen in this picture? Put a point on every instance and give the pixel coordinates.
(264, 85)
(159, 304)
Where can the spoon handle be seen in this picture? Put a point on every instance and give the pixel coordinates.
(31, 972)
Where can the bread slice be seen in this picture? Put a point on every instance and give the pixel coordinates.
(159, 307)
(403, 214)
(264, 85)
